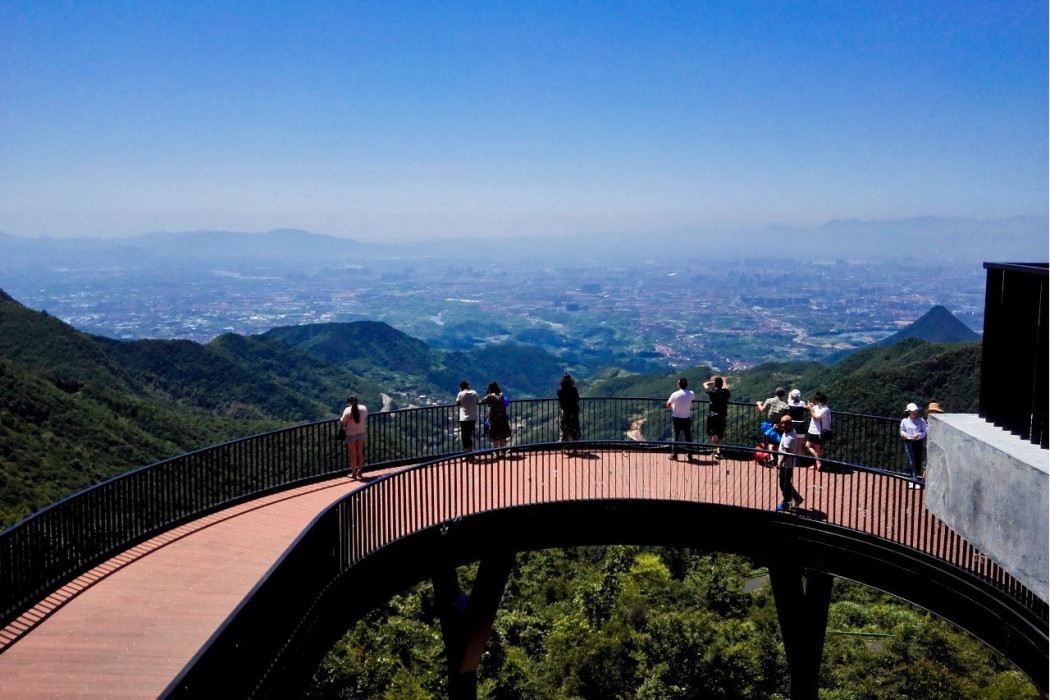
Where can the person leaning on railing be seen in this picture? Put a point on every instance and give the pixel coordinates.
(775, 406)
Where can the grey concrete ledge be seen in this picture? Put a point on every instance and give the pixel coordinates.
(992, 488)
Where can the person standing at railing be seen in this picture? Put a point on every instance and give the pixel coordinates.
(796, 408)
(353, 421)
(775, 406)
(681, 405)
(787, 460)
(499, 424)
(568, 411)
(717, 410)
(819, 426)
(467, 399)
(913, 433)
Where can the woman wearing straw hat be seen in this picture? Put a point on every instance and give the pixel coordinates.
(913, 433)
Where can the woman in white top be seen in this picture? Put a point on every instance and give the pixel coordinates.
(819, 424)
(353, 421)
(913, 433)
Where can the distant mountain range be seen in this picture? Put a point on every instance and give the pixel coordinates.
(929, 239)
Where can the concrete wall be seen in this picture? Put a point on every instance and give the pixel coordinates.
(992, 488)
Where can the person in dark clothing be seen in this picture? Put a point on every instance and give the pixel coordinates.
(499, 424)
(787, 458)
(568, 409)
(717, 410)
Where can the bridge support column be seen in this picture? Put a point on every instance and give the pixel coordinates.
(803, 598)
(466, 622)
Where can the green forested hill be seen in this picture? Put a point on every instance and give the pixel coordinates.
(78, 408)
(877, 381)
(362, 346)
(390, 358)
(41, 341)
(58, 436)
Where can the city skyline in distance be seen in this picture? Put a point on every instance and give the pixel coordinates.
(399, 122)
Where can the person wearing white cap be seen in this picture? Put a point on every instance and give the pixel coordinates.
(913, 433)
(798, 412)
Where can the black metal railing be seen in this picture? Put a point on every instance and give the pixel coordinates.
(441, 493)
(864, 499)
(1014, 350)
(53, 546)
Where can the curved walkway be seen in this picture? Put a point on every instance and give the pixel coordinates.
(127, 627)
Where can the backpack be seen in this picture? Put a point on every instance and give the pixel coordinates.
(763, 458)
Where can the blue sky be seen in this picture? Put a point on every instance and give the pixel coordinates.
(404, 120)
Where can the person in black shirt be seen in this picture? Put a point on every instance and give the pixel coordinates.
(718, 395)
(569, 409)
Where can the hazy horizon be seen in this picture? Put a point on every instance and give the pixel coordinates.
(401, 122)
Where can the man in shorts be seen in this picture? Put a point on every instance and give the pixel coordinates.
(718, 395)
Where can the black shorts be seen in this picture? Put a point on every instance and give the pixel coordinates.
(716, 425)
(812, 438)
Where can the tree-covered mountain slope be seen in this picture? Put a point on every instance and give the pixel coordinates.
(48, 344)
(405, 364)
(58, 436)
(877, 381)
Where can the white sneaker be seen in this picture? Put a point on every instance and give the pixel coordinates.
(915, 485)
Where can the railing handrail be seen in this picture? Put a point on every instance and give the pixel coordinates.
(417, 506)
(47, 549)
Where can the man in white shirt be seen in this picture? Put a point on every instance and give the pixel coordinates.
(467, 399)
(681, 405)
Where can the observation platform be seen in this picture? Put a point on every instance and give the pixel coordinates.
(131, 625)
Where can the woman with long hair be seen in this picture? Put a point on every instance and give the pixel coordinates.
(353, 421)
(499, 423)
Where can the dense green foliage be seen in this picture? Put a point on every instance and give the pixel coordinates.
(76, 409)
(878, 381)
(630, 622)
(58, 436)
(393, 359)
